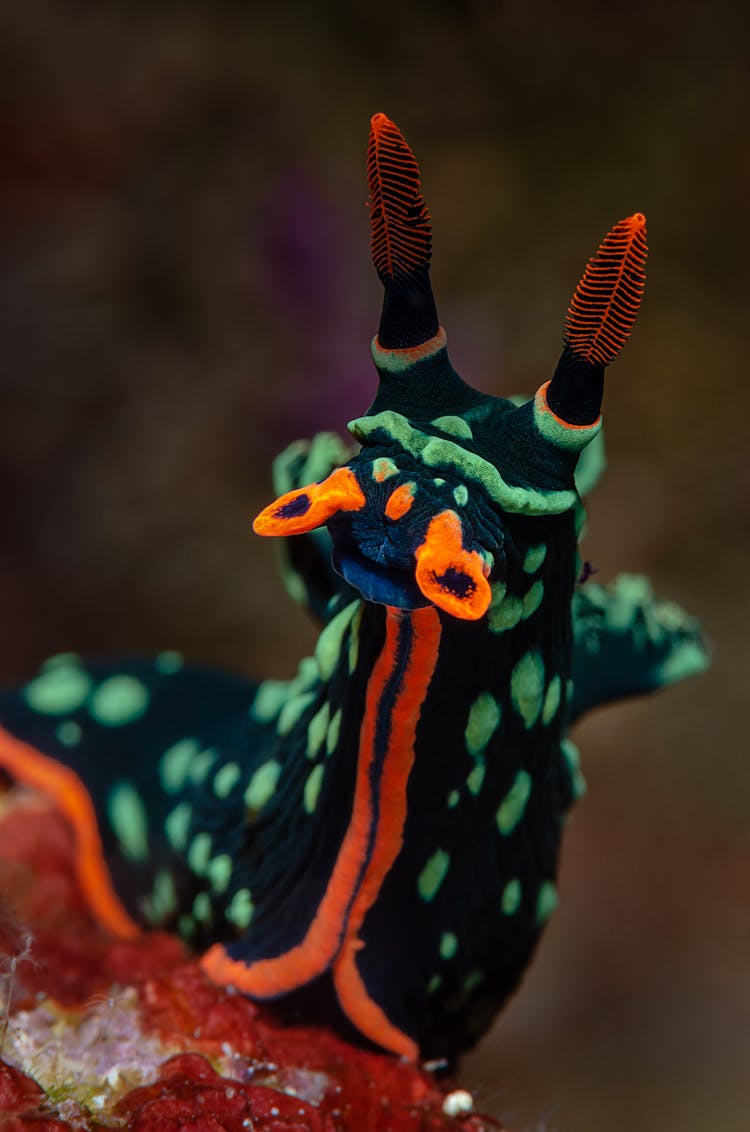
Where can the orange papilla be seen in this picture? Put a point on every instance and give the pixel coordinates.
(400, 501)
(399, 217)
(441, 554)
(542, 405)
(607, 299)
(266, 978)
(339, 492)
(352, 993)
(68, 793)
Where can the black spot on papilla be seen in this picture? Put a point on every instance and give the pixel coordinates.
(456, 582)
(300, 505)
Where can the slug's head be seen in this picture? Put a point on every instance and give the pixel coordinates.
(426, 511)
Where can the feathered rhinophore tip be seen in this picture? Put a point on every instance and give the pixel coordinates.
(401, 232)
(606, 301)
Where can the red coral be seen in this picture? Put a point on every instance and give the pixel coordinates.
(278, 1077)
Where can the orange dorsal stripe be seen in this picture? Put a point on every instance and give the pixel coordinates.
(352, 993)
(399, 218)
(607, 299)
(267, 978)
(66, 790)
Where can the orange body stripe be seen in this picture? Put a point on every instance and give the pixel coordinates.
(400, 501)
(357, 1004)
(267, 978)
(339, 492)
(65, 788)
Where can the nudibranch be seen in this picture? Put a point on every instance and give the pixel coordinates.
(385, 826)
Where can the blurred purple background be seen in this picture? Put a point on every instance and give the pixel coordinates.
(185, 287)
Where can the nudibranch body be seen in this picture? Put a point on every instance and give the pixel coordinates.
(387, 824)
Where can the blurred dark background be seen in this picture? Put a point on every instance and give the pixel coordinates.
(185, 287)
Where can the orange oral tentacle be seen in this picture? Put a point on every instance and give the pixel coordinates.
(302, 510)
(450, 576)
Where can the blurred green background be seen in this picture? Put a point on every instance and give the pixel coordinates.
(185, 286)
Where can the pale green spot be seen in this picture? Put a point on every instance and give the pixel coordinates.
(316, 730)
(534, 557)
(262, 785)
(202, 908)
(200, 766)
(61, 659)
(483, 721)
(591, 464)
(58, 690)
(163, 902)
(354, 639)
(511, 898)
(219, 872)
(328, 647)
(434, 984)
(312, 787)
(119, 700)
(269, 699)
(472, 981)
(293, 584)
(199, 853)
(573, 759)
(533, 598)
(175, 764)
(546, 901)
(308, 674)
(383, 468)
(475, 778)
(334, 731)
(186, 926)
(325, 452)
(686, 659)
(433, 874)
(292, 712)
(453, 799)
(226, 779)
(527, 687)
(127, 816)
(241, 908)
(177, 825)
(505, 609)
(461, 494)
(512, 807)
(454, 426)
(448, 945)
(435, 452)
(169, 662)
(438, 482)
(69, 733)
(551, 700)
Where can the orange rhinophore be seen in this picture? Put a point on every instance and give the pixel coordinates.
(606, 301)
(401, 231)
